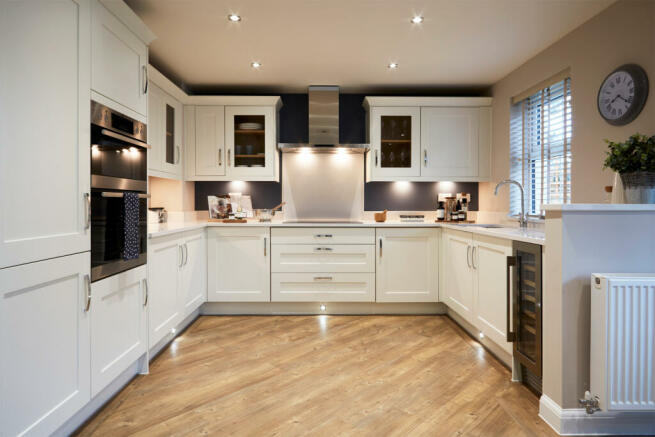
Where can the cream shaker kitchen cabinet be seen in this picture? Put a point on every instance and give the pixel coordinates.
(119, 65)
(251, 142)
(44, 339)
(449, 142)
(475, 282)
(239, 268)
(165, 260)
(407, 268)
(45, 134)
(458, 272)
(210, 158)
(489, 261)
(119, 328)
(194, 271)
(164, 134)
(395, 137)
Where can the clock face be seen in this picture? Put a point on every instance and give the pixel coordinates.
(623, 94)
(616, 95)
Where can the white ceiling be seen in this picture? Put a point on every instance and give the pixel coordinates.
(461, 43)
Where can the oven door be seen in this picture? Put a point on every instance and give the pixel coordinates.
(117, 161)
(107, 233)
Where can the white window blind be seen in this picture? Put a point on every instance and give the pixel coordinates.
(540, 148)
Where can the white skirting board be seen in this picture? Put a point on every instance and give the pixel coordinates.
(121, 381)
(314, 308)
(575, 421)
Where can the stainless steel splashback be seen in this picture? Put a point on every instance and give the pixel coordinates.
(319, 186)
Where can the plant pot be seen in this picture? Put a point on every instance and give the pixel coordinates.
(639, 187)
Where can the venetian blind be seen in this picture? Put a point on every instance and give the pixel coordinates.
(540, 148)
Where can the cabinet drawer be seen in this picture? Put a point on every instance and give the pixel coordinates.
(323, 258)
(323, 287)
(323, 235)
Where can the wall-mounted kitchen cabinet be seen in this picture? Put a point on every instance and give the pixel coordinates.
(165, 120)
(119, 74)
(235, 141)
(428, 138)
(474, 282)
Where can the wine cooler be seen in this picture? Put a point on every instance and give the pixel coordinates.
(524, 287)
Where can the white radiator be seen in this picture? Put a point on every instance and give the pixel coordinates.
(623, 341)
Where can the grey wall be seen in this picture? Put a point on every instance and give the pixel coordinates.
(394, 196)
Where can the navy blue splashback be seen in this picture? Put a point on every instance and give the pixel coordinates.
(294, 128)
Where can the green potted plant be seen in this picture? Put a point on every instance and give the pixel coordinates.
(634, 160)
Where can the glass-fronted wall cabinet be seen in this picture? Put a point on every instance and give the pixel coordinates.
(395, 142)
(250, 140)
(164, 134)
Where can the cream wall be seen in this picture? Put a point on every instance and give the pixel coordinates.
(623, 33)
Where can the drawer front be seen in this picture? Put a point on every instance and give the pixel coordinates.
(323, 235)
(300, 258)
(323, 287)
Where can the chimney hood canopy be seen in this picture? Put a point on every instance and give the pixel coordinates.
(323, 124)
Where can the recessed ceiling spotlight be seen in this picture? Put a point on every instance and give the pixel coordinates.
(256, 64)
(393, 65)
(234, 18)
(417, 19)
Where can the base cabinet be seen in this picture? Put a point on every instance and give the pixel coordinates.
(475, 281)
(119, 331)
(177, 275)
(239, 268)
(323, 287)
(407, 268)
(45, 343)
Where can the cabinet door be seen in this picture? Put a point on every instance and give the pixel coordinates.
(238, 265)
(458, 271)
(44, 338)
(210, 141)
(407, 265)
(156, 128)
(172, 134)
(119, 330)
(250, 141)
(489, 260)
(120, 60)
(194, 271)
(449, 142)
(164, 264)
(395, 142)
(45, 133)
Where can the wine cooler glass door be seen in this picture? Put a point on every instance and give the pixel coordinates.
(527, 314)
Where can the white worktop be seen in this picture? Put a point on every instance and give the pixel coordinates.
(535, 236)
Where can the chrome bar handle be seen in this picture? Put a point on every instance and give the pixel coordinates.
(87, 223)
(120, 194)
(468, 256)
(87, 287)
(145, 79)
(327, 249)
(425, 158)
(323, 236)
(376, 157)
(186, 254)
(322, 278)
(180, 252)
(179, 154)
(220, 157)
(145, 288)
(473, 258)
(229, 164)
(380, 247)
(265, 245)
(511, 262)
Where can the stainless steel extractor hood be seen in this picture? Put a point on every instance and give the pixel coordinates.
(323, 124)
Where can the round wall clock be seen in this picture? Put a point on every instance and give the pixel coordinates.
(623, 94)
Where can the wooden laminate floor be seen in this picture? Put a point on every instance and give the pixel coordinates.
(324, 376)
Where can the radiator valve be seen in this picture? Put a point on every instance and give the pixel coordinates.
(589, 403)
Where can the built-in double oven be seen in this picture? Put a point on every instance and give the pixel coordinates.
(119, 165)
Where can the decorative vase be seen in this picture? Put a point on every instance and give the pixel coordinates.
(639, 187)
